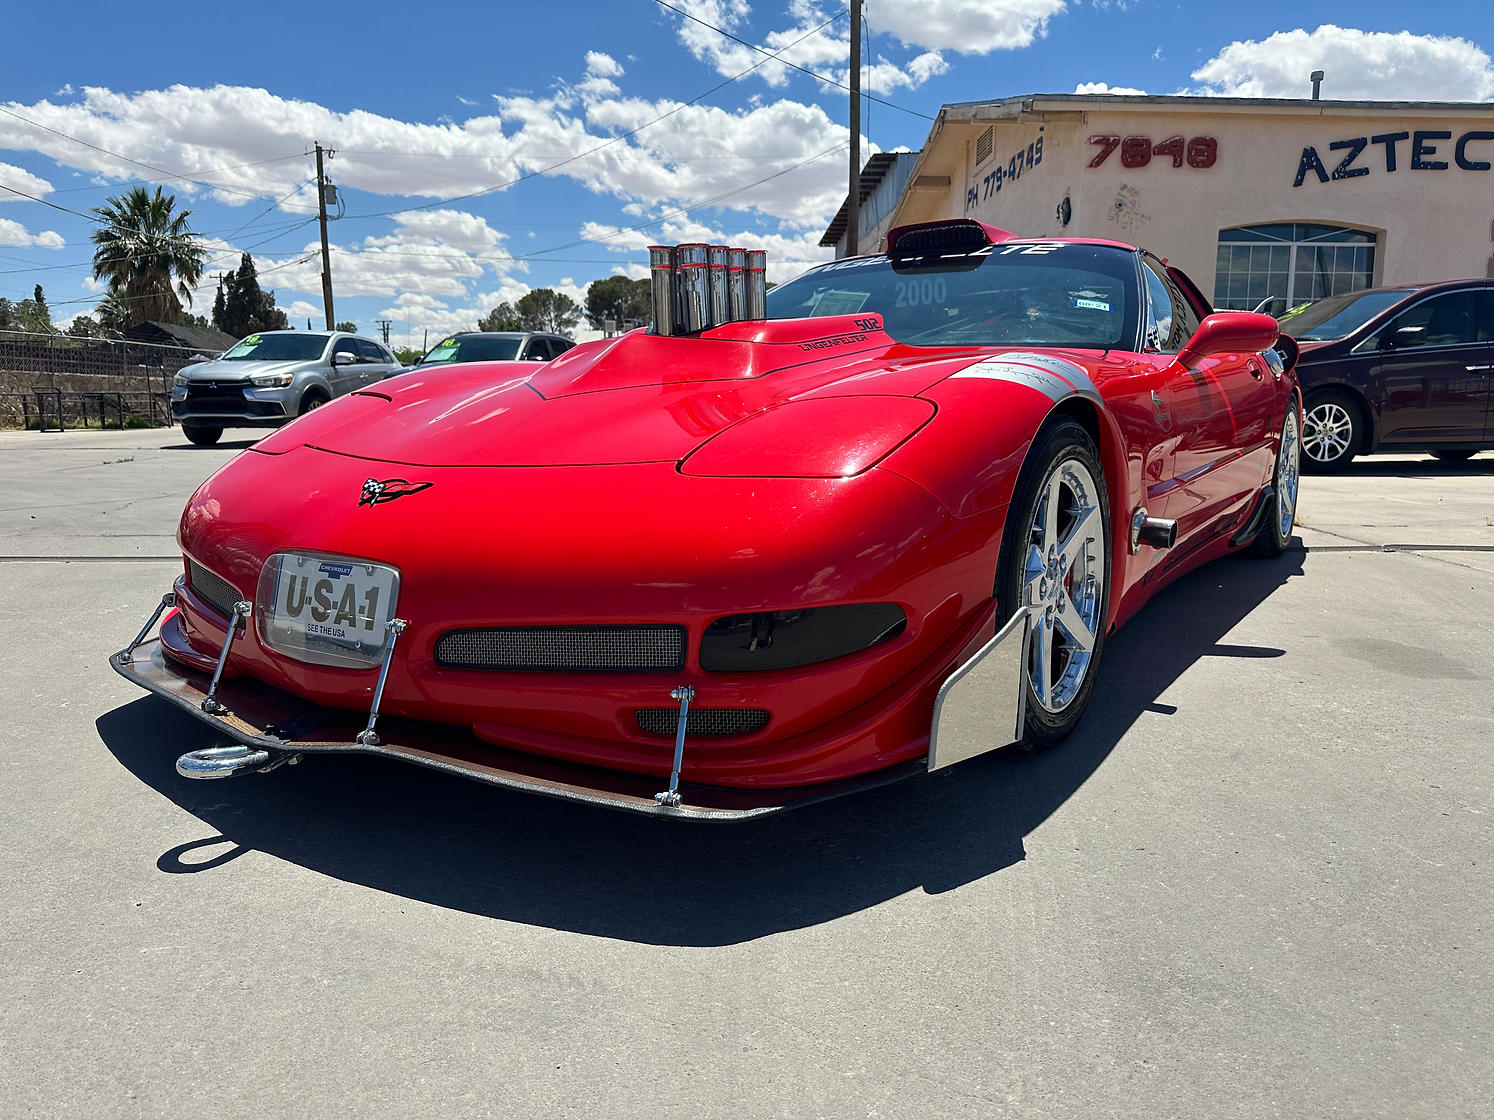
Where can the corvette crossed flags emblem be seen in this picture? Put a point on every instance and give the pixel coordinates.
(376, 492)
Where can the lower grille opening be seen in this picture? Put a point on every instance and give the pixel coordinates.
(702, 721)
(216, 590)
(628, 649)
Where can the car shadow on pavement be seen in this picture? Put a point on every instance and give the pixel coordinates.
(221, 445)
(471, 847)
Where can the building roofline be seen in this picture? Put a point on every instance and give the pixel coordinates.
(1200, 102)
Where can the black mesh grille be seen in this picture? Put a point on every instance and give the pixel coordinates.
(955, 236)
(219, 592)
(702, 721)
(627, 649)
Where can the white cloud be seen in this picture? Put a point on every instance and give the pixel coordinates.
(300, 309)
(21, 180)
(696, 153)
(824, 51)
(1360, 65)
(1101, 87)
(600, 65)
(966, 26)
(15, 234)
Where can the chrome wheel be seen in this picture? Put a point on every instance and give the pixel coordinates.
(1063, 584)
(1327, 432)
(1288, 464)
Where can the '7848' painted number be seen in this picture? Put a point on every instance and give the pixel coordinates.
(1137, 151)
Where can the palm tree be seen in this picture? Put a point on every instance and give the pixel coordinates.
(140, 245)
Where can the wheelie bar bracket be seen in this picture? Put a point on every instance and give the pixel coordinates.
(368, 736)
(167, 600)
(670, 798)
(241, 611)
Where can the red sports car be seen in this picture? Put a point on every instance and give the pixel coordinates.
(717, 572)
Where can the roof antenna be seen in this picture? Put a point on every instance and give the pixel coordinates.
(1317, 85)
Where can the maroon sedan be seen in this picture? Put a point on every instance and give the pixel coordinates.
(1397, 369)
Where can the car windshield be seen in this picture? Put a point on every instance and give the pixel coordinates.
(1027, 294)
(473, 350)
(290, 347)
(1338, 316)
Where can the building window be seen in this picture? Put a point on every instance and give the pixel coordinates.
(1290, 264)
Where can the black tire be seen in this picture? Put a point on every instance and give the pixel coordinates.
(1059, 443)
(1281, 509)
(1332, 432)
(1453, 456)
(314, 398)
(202, 437)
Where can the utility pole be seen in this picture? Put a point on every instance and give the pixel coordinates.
(384, 325)
(853, 196)
(321, 209)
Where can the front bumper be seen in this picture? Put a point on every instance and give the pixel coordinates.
(978, 709)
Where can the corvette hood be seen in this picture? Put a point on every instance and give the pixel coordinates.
(636, 399)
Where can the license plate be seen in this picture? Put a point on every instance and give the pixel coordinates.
(326, 610)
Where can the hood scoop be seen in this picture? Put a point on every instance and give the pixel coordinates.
(733, 352)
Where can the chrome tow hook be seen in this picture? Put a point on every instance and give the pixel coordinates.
(670, 798)
(232, 759)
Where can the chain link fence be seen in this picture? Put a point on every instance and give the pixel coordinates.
(52, 381)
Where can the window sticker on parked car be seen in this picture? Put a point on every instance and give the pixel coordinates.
(1092, 304)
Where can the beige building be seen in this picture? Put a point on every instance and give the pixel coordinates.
(1254, 198)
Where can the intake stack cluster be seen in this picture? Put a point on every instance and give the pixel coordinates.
(696, 286)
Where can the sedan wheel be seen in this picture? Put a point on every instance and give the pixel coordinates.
(1057, 566)
(1330, 432)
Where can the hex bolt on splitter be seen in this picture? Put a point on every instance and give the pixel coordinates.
(670, 798)
(368, 736)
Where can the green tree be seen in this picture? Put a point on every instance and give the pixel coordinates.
(113, 312)
(345, 325)
(27, 315)
(141, 246)
(547, 310)
(624, 301)
(501, 318)
(242, 307)
(85, 326)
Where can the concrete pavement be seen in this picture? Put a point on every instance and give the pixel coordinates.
(1255, 882)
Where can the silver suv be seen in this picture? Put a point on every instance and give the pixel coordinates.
(269, 379)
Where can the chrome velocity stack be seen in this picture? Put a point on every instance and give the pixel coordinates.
(757, 284)
(716, 262)
(661, 276)
(693, 280)
(736, 284)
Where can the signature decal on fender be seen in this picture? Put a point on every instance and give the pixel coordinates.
(376, 492)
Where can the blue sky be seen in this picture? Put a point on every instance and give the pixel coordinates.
(429, 103)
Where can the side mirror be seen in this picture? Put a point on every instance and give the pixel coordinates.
(344, 359)
(1226, 332)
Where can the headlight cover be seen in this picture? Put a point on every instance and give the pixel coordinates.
(271, 380)
(821, 437)
(766, 640)
(181, 381)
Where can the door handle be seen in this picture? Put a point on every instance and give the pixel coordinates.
(1470, 369)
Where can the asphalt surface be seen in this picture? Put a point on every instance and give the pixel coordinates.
(1255, 883)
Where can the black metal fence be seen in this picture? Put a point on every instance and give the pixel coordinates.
(56, 380)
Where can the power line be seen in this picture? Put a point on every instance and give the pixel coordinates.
(801, 69)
